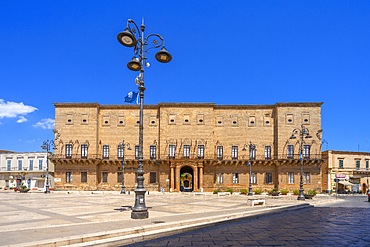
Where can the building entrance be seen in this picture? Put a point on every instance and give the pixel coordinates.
(186, 179)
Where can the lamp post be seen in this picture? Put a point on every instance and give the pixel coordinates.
(252, 156)
(303, 133)
(133, 36)
(46, 146)
(123, 145)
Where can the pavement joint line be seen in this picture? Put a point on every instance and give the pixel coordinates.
(147, 232)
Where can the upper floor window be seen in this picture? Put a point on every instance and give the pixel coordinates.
(105, 151)
(306, 151)
(186, 151)
(172, 151)
(220, 152)
(120, 152)
(341, 164)
(201, 151)
(252, 152)
(153, 152)
(40, 164)
(290, 151)
(20, 165)
(68, 151)
(367, 165)
(234, 152)
(8, 165)
(267, 152)
(30, 165)
(357, 164)
(83, 151)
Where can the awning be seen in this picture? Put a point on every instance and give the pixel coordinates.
(345, 183)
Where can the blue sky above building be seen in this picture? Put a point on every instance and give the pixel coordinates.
(238, 52)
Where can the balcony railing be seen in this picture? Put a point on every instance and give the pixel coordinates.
(195, 156)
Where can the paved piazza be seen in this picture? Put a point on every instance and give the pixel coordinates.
(104, 219)
(342, 224)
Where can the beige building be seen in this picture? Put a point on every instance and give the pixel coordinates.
(25, 168)
(187, 146)
(351, 169)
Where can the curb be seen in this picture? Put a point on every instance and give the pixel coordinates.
(147, 232)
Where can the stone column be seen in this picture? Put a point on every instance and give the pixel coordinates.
(195, 179)
(177, 177)
(201, 178)
(172, 178)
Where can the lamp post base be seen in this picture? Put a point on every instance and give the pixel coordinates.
(123, 191)
(250, 191)
(301, 196)
(140, 214)
(47, 190)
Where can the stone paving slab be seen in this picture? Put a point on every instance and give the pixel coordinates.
(65, 218)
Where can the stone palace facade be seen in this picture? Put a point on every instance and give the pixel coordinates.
(187, 146)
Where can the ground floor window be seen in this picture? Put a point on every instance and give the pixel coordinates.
(254, 178)
(83, 177)
(105, 177)
(306, 178)
(68, 177)
(268, 178)
(235, 178)
(153, 178)
(290, 178)
(220, 178)
(119, 177)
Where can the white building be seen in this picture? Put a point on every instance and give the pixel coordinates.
(27, 168)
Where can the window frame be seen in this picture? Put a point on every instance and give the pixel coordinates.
(234, 152)
(105, 151)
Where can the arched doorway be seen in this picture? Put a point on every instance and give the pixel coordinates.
(186, 179)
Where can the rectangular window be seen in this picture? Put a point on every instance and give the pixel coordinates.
(306, 178)
(290, 178)
(83, 177)
(20, 165)
(267, 152)
(357, 165)
(30, 165)
(235, 178)
(220, 152)
(340, 164)
(120, 152)
(234, 152)
(8, 165)
(200, 151)
(105, 151)
(172, 151)
(306, 151)
(137, 152)
(254, 178)
(186, 151)
(290, 151)
(40, 165)
(68, 151)
(252, 152)
(367, 165)
(83, 151)
(105, 177)
(152, 177)
(68, 177)
(119, 177)
(220, 178)
(268, 178)
(153, 152)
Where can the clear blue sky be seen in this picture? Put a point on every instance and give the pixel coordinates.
(225, 52)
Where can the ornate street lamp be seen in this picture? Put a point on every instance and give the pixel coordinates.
(123, 145)
(252, 156)
(303, 133)
(46, 145)
(134, 37)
